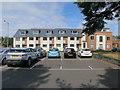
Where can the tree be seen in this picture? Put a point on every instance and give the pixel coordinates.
(4, 41)
(118, 37)
(96, 13)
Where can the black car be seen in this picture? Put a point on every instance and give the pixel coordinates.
(116, 49)
(69, 52)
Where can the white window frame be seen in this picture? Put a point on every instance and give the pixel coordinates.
(22, 31)
(61, 31)
(49, 32)
(35, 32)
(74, 32)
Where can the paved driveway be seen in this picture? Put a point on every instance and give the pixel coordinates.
(62, 73)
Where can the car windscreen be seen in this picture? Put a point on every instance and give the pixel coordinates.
(53, 49)
(85, 49)
(69, 50)
(17, 50)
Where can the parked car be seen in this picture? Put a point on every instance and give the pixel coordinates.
(38, 52)
(85, 53)
(21, 56)
(69, 52)
(3, 53)
(53, 52)
(116, 49)
(41, 51)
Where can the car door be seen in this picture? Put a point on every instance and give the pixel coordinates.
(33, 54)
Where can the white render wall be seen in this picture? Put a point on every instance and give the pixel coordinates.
(48, 42)
(98, 43)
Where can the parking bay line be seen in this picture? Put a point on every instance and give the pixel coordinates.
(90, 67)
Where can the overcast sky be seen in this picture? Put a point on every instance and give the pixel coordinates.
(28, 15)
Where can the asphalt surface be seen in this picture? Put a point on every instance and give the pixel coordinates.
(62, 73)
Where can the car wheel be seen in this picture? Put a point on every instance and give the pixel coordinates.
(4, 61)
(9, 65)
(29, 63)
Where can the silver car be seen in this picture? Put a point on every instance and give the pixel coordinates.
(3, 53)
(42, 51)
(21, 56)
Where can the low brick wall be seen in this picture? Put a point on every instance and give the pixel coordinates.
(108, 59)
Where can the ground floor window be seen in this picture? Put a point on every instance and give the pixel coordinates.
(100, 46)
(18, 46)
(58, 45)
(71, 45)
(108, 45)
(84, 45)
(31, 45)
(44, 45)
(92, 46)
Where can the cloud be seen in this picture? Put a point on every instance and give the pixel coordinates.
(33, 15)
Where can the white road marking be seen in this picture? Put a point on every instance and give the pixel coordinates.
(42, 59)
(61, 59)
(61, 67)
(90, 67)
(79, 58)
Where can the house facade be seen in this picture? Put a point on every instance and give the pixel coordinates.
(61, 38)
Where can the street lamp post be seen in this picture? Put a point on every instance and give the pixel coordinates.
(7, 33)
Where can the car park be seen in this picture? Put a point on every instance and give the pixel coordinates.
(85, 53)
(54, 52)
(69, 52)
(3, 53)
(21, 56)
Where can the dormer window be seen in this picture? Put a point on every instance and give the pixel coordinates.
(23, 32)
(74, 32)
(36, 32)
(62, 32)
(49, 32)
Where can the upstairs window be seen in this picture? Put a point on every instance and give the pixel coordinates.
(100, 39)
(108, 38)
(71, 38)
(58, 38)
(31, 38)
(49, 32)
(74, 32)
(44, 38)
(17, 38)
(22, 32)
(92, 37)
(62, 32)
(36, 32)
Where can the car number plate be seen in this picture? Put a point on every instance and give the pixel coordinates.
(53, 55)
(15, 56)
(86, 54)
(70, 55)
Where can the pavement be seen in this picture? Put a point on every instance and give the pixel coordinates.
(62, 73)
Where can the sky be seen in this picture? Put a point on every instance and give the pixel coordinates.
(27, 15)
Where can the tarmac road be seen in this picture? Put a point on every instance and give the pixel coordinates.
(62, 73)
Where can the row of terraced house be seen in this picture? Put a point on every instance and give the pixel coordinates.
(61, 38)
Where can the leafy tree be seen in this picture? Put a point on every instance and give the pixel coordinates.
(5, 40)
(118, 37)
(96, 13)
